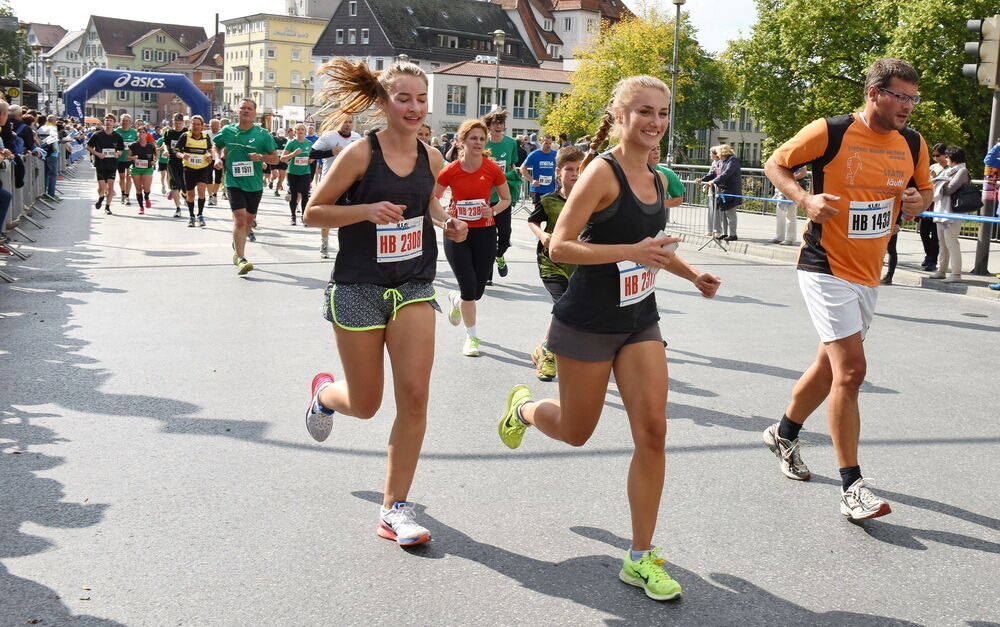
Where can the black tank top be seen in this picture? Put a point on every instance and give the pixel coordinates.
(357, 258)
(591, 300)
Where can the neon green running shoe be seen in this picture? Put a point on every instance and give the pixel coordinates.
(648, 573)
(545, 363)
(510, 428)
(244, 267)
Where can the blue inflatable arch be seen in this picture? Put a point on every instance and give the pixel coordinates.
(97, 80)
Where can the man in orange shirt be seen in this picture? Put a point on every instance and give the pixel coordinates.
(867, 167)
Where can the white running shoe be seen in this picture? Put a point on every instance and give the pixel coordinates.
(397, 523)
(471, 348)
(787, 451)
(859, 503)
(455, 315)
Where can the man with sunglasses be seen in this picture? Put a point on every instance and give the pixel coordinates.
(867, 167)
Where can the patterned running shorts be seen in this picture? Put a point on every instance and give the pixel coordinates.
(363, 306)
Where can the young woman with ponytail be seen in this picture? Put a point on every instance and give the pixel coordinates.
(381, 298)
(611, 228)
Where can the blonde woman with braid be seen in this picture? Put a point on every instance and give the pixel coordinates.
(611, 228)
(381, 297)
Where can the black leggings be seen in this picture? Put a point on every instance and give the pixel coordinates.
(502, 220)
(472, 260)
(298, 184)
(893, 255)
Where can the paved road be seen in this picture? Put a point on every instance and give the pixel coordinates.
(154, 468)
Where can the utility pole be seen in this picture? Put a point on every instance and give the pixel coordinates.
(986, 71)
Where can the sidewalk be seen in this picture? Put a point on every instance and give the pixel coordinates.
(755, 232)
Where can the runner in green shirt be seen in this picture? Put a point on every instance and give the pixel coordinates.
(246, 147)
(555, 276)
(161, 165)
(503, 150)
(675, 187)
(296, 155)
(129, 136)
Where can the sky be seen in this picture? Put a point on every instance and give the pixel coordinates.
(717, 21)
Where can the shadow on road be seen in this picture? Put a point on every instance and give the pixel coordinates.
(592, 581)
(43, 365)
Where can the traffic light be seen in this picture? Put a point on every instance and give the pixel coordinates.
(986, 51)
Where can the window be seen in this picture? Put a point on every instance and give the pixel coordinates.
(533, 102)
(380, 64)
(352, 8)
(295, 78)
(340, 35)
(518, 103)
(208, 76)
(160, 56)
(352, 36)
(568, 24)
(364, 36)
(485, 100)
(161, 39)
(122, 95)
(554, 96)
(592, 26)
(148, 97)
(456, 100)
(555, 51)
(273, 54)
(147, 54)
(270, 77)
(295, 99)
(547, 24)
(173, 55)
(447, 41)
(296, 54)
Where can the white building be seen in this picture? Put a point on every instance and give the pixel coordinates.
(465, 90)
(63, 64)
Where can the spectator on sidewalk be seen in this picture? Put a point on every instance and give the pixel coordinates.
(786, 215)
(947, 183)
(713, 170)
(928, 230)
(729, 191)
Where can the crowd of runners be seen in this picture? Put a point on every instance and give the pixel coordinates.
(598, 218)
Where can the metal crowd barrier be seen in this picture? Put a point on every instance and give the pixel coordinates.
(24, 206)
(693, 214)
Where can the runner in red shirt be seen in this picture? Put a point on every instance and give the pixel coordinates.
(472, 179)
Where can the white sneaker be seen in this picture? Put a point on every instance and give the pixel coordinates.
(955, 278)
(787, 451)
(319, 423)
(398, 523)
(789, 242)
(455, 315)
(774, 241)
(859, 503)
(471, 348)
(937, 275)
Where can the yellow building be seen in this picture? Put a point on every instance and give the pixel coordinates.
(267, 58)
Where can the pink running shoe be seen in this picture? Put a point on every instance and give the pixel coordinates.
(318, 422)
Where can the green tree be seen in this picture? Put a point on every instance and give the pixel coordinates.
(805, 60)
(14, 50)
(643, 45)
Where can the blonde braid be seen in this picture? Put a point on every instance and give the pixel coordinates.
(607, 121)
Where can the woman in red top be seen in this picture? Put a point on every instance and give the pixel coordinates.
(472, 179)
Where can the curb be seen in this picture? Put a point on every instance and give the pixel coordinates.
(973, 286)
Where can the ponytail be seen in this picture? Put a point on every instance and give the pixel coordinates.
(607, 121)
(352, 88)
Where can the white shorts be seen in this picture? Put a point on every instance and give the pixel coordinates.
(838, 308)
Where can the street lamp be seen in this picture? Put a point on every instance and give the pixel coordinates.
(306, 89)
(47, 62)
(673, 82)
(403, 58)
(498, 39)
